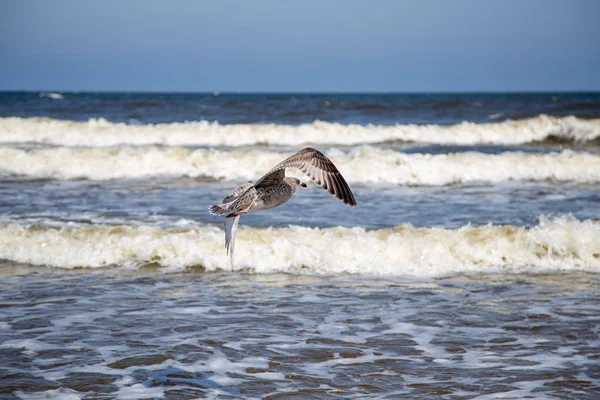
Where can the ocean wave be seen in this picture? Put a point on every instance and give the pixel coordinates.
(554, 245)
(361, 165)
(51, 95)
(100, 133)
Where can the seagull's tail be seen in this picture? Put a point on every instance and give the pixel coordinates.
(231, 225)
(231, 206)
(220, 209)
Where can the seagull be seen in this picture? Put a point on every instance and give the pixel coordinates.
(275, 189)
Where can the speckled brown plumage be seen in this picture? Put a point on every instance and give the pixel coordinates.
(275, 189)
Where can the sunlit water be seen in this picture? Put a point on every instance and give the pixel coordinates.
(280, 336)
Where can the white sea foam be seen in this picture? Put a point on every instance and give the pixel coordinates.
(361, 165)
(55, 394)
(30, 345)
(561, 244)
(139, 391)
(99, 132)
(51, 95)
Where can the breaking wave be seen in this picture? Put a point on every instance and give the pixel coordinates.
(51, 95)
(361, 165)
(560, 244)
(100, 133)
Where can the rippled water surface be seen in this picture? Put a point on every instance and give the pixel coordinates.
(169, 203)
(294, 108)
(142, 335)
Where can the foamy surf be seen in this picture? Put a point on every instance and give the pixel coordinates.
(554, 245)
(362, 165)
(101, 133)
(51, 95)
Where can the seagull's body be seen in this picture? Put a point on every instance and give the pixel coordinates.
(275, 189)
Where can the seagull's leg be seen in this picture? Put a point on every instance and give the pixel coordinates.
(244, 211)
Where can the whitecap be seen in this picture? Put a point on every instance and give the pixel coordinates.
(101, 133)
(364, 164)
(554, 245)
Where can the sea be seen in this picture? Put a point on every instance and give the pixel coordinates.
(469, 269)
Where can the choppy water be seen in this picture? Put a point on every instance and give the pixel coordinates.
(469, 268)
(282, 336)
(294, 108)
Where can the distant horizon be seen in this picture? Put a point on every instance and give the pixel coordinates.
(291, 108)
(220, 93)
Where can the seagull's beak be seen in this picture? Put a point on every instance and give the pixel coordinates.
(302, 184)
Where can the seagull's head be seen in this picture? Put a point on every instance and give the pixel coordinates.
(295, 182)
(298, 183)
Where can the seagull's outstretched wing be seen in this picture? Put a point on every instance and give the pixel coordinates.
(316, 166)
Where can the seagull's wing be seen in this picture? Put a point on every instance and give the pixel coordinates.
(237, 192)
(318, 168)
(231, 225)
(273, 177)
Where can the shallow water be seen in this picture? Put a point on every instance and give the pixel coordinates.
(142, 335)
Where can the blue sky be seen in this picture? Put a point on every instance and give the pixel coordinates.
(304, 45)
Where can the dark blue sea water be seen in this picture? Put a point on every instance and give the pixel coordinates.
(297, 108)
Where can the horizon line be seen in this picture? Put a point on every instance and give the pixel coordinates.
(301, 92)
